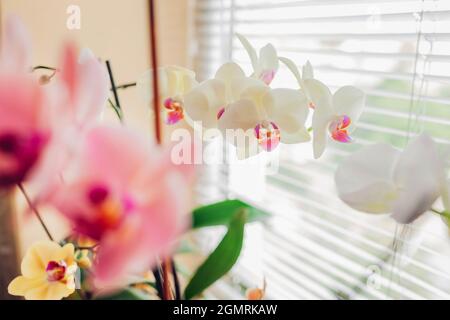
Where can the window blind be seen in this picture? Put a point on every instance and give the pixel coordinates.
(315, 247)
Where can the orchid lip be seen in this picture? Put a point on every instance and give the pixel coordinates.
(341, 136)
(56, 271)
(175, 111)
(268, 135)
(108, 211)
(98, 194)
(338, 129)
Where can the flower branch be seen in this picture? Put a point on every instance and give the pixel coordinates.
(35, 211)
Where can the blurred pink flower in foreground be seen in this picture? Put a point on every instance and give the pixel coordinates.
(77, 97)
(127, 196)
(25, 130)
(39, 124)
(80, 89)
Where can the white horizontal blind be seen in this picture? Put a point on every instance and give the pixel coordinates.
(315, 247)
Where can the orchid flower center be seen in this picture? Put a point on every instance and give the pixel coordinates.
(56, 271)
(18, 154)
(268, 135)
(174, 109)
(110, 210)
(267, 76)
(338, 129)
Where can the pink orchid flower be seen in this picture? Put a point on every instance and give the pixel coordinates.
(25, 130)
(39, 123)
(128, 197)
(80, 89)
(77, 96)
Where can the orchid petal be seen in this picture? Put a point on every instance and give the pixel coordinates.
(323, 114)
(228, 72)
(104, 152)
(16, 46)
(242, 114)
(288, 109)
(37, 257)
(21, 285)
(349, 101)
(180, 80)
(240, 85)
(307, 71)
(364, 179)
(94, 89)
(320, 95)
(258, 94)
(420, 175)
(204, 102)
(250, 50)
(173, 82)
(267, 64)
(237, 124)
(86, 54)
(268, 58)
(87, 85)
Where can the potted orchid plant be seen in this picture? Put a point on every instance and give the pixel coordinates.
(128, 202)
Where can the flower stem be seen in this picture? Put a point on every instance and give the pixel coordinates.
(125, 86)
(158, 280)
(43, 68)
(175, 280)
(167, 291)
(444, 214)
(114, 90)
(154, 65)
(35, 211)
(116, 110)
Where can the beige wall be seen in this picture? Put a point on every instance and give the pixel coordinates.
(116, 30)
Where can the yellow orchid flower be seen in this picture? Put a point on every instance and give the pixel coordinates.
(48, 272)
(174, 82)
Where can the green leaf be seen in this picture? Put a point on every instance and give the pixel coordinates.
(221, 213)
(126, 294)
(222, 259)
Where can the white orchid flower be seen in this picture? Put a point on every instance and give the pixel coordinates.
(232, 101)
(206, 102)
(262, 118)
(381, 179)
(266, 65)
(335, 115)
(174, 82)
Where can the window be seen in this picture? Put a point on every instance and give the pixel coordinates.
(398, 52)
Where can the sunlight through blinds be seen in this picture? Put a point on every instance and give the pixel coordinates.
(315, 247)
